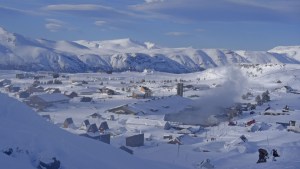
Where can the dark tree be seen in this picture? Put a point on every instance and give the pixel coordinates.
(258, 100)
(265, 96)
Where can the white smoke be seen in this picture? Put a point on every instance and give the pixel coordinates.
(229, 92)
(217, 99)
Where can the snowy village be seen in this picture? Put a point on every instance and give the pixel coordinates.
(180, 117)
(150, 84)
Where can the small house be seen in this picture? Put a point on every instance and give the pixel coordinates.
(107, 91)
(12, 89)
(103, 126)
(46, 100)
(70, 94)
(168, 137)
(68, 123)
(86, 99)
(20, 76)
(124, 109)
(88, 91)
(294, 126)
(52, 90)
(175, 141)
(85, 125)
(143, 92)
(23, 94)
(4, 82)
(92, 129)
(283, 124)
(96, 115)
(35, 89)
(138, 95)
(167, 126)
(112, 118)
(79, 82)
(135, 141)
(146, 91)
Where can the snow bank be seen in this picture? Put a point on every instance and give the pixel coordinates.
(32, 139)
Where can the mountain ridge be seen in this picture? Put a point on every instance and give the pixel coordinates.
(22, 53)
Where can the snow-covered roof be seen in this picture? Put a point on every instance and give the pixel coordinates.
(54, 97)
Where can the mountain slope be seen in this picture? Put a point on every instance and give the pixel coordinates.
(21, 53)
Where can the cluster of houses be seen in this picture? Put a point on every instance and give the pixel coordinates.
(103, 134)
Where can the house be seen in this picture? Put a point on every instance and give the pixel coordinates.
(283, 124)
(23, 94)
(85, 125)
(68, 123)
(12, 89)
(46, 100)
(138, 95)
(126, 149)
(135, 140)
(52, 90)
(55, 81)
(145, 122)
(294, 126)
(78, 82)
(86, 99)
(88, 91)
(35, 89)
(168, 137)
(70, 94)
(143, 92)
(107, 91)
(112, 118)
(4, 82)
(103, 126)
(146, 91)
(125, 109)
(96, 115)
(156, 105)
(20, 76)
(92, 129)
(175, 141)
(167, 126)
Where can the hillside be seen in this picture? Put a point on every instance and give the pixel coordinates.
(22, 53)
(31, 139)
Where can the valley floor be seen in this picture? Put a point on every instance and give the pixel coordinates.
(203, 91)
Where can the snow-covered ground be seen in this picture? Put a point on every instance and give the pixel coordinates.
(205, 94)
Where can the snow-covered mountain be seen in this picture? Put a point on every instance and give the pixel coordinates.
(18, 52)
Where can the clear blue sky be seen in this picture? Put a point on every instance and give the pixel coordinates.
(231, 24)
